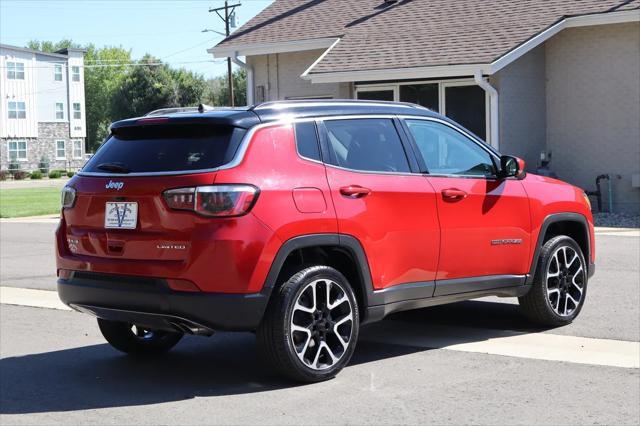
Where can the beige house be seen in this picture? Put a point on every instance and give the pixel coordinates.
(530, 77)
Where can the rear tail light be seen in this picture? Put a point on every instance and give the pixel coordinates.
(67, 197)
(213, 200)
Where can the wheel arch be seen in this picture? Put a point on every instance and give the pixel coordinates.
(342, 252)
(573, 225)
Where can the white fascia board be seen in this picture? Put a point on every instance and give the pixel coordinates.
(397, 73)
(572, 22)
(320, 58)
(471, 69)
(268, 48)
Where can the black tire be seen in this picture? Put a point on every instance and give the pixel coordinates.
(277, 343)
(121, 336)
(537, 304)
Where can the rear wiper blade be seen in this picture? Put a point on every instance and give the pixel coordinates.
(114, 167)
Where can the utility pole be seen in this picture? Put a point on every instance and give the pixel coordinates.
(228, 11)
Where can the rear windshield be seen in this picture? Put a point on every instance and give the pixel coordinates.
(166, 148)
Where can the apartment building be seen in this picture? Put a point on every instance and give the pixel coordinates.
(42, 108)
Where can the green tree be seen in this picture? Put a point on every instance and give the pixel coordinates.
(104, 72)
(190, 87)
(50, 46)
(218, 89)
(147, 86)
(116, 89)
(153, 85)
(101, 80)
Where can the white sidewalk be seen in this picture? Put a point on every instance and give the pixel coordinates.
(541, 346)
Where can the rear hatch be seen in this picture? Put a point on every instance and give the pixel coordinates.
(120, 208)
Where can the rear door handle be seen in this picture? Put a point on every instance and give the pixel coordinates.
(355, 191)
(453, 194)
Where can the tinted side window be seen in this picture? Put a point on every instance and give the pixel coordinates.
(370, 144)
(449, 152)
(307, 140)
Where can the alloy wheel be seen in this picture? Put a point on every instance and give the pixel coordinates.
(565, 280)
(321, 324)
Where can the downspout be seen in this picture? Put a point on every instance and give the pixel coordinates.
(494, 131)
(250, 88)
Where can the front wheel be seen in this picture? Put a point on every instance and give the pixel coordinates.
(560, 284)
(310, 328)
(137, 340)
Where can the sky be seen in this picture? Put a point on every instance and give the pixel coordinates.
(168, 29)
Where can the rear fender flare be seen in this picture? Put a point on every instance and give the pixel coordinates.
(347, 242)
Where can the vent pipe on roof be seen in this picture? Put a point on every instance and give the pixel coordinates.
(494, 127)
(250, 88)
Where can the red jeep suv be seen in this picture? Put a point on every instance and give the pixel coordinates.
(302, 221)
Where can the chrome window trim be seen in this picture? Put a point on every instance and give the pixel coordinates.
(367, 116)
(237, 159)
(470, 136)
(284, 120)
(284, 105)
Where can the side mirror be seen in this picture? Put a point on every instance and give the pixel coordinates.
(512, 167)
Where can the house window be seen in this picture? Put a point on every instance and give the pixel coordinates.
(17, 150)
(77, 149)
(15, 70)
(421, 94)
(467, 105)
(61, 152)
(59, 111)
(17, 109)
(75, 73)
(461, 100)
(77, 113)
(57, 72)
(377, 93)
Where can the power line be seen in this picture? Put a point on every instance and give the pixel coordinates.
(189, 48)
(129, 64)
(229, 13)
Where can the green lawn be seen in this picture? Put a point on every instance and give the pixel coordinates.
(29, 202)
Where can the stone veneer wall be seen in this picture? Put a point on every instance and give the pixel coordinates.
(45, 145)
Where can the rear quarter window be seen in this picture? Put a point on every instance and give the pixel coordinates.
(307, 140)
(167, 148)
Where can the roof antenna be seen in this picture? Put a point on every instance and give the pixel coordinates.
(202, 108)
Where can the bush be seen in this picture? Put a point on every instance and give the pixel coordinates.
(70, 174)
(55, 174)
(4, 174)
(20, 175)
(36, 174)
(43, 166)
(14, 166)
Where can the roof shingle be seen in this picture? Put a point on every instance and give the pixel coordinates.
(412, 33)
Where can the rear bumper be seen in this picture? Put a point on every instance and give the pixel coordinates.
(150, 302)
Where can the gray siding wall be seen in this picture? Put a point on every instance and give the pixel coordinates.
(523, 116)
(279, 74)
(593, 107)
(49, 90)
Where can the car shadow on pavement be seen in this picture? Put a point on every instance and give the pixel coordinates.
(97, 376)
